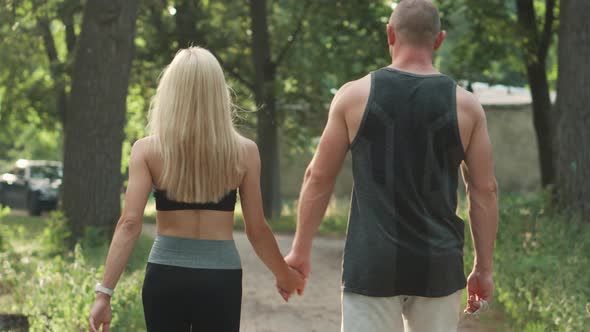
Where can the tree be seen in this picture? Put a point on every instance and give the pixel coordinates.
(35, 79)
(478, 47)
(573, 156)
(536, 47)
(494, 32)
(96, 114)
(265, 96)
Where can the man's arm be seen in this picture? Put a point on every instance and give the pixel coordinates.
(482, 192)
(319, 181)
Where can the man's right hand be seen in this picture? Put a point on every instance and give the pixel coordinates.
(300, 263)
(480, 286)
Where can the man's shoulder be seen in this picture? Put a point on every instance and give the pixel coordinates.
(467, 102)
(357, 87)
(354, 92)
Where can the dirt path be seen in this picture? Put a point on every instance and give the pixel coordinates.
(318, 310)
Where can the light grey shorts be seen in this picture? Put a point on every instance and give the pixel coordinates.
(400, 313)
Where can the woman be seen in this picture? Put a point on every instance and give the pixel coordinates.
(195, 160)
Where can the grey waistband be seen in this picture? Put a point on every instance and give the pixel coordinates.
(195, 253)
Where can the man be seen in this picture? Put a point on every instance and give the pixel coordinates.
(409, 128)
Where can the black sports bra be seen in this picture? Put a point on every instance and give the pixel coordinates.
(226, 203)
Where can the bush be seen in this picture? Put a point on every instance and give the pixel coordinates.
(63, 295)
(54, 286)
(55, 236)
(542, 266)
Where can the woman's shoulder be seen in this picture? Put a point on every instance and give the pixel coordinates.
(143, 144)
(249, 145)
(143, 147)
(251, 155)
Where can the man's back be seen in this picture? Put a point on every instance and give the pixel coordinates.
(408, 129)
(406, 155)
(354, 96)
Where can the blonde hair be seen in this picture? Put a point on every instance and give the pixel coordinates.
(191, 121)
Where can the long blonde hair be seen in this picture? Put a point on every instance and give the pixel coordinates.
(191, 121)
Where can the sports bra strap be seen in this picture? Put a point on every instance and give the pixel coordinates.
(226, 203)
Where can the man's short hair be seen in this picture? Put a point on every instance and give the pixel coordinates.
(416, 21)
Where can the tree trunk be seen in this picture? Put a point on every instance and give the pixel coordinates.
(573, 100)
(94, 130)
(542, 120)
(535, 48)
(267, 120)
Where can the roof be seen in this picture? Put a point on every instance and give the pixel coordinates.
(502, 95)
(25, 163)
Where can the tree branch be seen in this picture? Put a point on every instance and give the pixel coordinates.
(66, 14)
(54, 65)
(527, 20)
(293, 36)
(70, 34)
(232, 72)
(187, 32)
(49, 43)
(547, 33)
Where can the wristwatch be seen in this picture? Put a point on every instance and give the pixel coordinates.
(102, 289)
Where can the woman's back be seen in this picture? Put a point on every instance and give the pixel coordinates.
(187, 223)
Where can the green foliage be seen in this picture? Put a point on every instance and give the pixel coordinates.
(55, 236)
(54, 286)
(542, 266)
(486, 43)
(64, 295)
(29, 79)
(338, 41)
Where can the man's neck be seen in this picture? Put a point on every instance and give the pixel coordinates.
(417, 61)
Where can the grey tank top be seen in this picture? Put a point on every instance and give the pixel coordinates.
(404, 237)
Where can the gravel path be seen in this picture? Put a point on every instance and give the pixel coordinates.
(263, 310)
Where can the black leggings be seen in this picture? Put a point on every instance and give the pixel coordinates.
(179, 299)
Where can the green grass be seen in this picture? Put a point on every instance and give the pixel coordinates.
(22, 233)
(33, 258)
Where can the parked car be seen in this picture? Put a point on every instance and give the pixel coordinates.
(32, 185)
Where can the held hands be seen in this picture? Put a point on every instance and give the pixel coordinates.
(480, 287)
(301, 266)
(101, 314)
(300, 263)
(290, 282)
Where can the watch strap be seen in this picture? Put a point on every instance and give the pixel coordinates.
(100, 288)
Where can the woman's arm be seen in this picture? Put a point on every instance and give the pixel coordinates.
(126, 233)
(129, 225)
(258, 232)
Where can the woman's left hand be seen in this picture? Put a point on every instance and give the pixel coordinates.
(101, 314)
